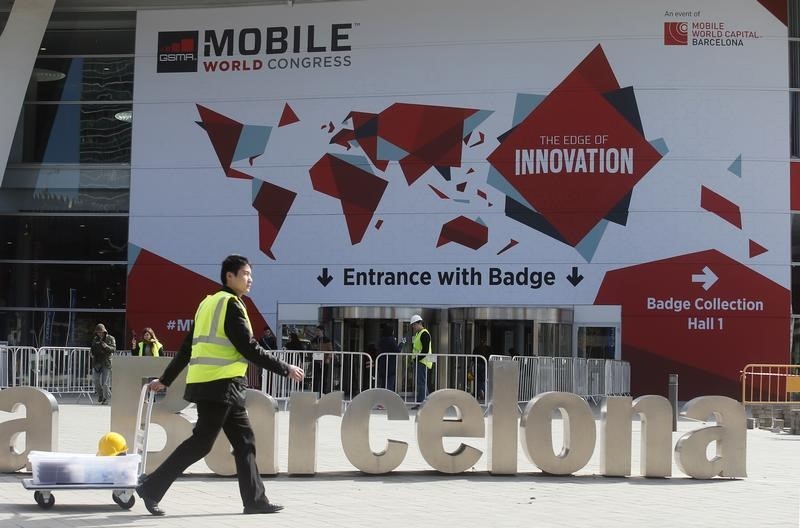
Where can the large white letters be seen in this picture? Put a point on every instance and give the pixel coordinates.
(446, 413)
(730, 434)
(40, 425)
(355, 432)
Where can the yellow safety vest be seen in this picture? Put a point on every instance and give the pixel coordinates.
(213, 355)
(416, 348)
(155, 346)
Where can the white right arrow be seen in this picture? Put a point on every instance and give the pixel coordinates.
(708, 278)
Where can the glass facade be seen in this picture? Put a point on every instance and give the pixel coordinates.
(75, 133)
(794, 103)
(65, 197)
(555, 339)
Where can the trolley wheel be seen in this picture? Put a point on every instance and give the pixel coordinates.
(124, 504)
(40, 500)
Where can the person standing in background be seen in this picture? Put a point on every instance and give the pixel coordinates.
(387, 368)
(421, 350)
(323, 362)
(102, 348)
(268, 340)
(148, 346)
(294, 343)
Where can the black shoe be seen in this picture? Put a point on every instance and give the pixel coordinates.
(150, 504)
(267, 508)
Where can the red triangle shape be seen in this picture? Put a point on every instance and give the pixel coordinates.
(777, 8)
(756, 249)
(288, 116)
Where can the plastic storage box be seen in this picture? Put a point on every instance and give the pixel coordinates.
(71, 468)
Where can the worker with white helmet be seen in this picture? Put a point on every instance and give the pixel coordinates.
(421, 350)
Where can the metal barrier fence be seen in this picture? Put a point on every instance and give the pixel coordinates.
(66, 370)
(618, 377)
(350, 372)
(588, 378)
(596, 378)
(354, 372)
(769, 384)
(58, 370)
(466, 372)
(18, 366)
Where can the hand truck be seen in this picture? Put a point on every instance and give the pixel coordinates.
(123, 495)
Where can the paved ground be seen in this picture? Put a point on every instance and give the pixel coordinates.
(415, 496)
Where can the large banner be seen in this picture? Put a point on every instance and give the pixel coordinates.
(469, 153)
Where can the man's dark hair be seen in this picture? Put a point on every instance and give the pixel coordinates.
(232, 263)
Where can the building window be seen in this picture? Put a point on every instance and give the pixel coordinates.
(794, 112)
(75, 133)
(65, 196)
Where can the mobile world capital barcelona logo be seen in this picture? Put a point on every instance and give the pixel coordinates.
(715, 33)
(569, 163)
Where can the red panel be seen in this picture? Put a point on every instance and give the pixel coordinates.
(777, 8)
(164, 296)
(794, 178)
(705, 346)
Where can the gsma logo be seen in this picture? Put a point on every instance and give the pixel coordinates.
(177, 51)
(676, 33)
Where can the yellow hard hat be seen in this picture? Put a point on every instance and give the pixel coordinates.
(111, 444)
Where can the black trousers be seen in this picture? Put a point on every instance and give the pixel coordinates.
(322, 377)
(211, 417)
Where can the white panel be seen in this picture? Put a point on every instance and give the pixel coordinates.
(709, 103)
(598, 315)
(298, 313)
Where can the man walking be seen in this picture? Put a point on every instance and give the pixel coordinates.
(217, 350)
(103, 347)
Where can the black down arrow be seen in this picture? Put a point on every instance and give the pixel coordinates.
(575, 278)
(324, 279)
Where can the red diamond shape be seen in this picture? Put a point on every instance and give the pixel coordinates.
(574, 202)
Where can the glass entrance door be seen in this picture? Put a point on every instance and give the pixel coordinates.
(597, 342)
